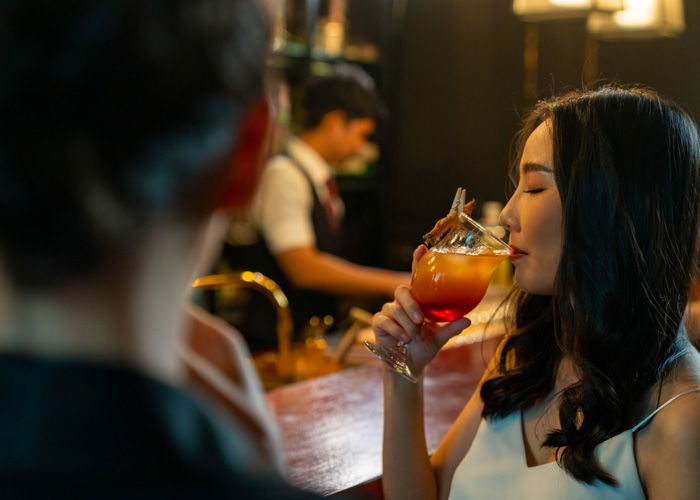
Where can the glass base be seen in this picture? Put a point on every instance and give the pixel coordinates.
(393, 358)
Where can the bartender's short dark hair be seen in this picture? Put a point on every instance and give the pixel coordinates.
(112, 113)
(347, 88)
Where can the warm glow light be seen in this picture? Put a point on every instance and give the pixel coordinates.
(571, 3)
(546, 10)
(637, 12)
(639, 20)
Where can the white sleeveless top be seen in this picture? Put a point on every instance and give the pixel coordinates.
(495, 467)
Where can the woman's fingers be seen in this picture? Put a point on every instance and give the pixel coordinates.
(383, 324)
(417, 254)
(409, 304)
(401, 317)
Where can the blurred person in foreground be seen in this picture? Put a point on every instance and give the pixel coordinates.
(299, 212)
(594, 392)
(129, 130)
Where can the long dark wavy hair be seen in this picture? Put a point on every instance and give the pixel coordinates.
(626, 163)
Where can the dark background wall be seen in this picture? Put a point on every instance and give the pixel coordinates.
(457, 94)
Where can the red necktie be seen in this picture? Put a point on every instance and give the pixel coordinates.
(332, 213)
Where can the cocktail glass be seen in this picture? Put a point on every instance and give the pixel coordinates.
(450, 279)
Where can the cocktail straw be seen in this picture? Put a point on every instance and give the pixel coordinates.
(458, 202)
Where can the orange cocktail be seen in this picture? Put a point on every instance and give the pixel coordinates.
(449, 285)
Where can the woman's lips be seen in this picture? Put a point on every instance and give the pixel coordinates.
(517, 253)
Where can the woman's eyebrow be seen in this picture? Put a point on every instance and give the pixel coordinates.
(536, 167)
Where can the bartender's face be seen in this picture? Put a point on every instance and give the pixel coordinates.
(350, 136)
(533, 216)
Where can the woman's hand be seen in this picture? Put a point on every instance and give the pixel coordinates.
(401, 321)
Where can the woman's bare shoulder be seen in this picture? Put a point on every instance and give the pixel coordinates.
(668, 448)
(680, 398)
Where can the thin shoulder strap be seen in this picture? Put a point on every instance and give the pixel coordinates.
(651, 415)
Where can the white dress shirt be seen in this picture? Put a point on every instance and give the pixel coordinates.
(283, 202)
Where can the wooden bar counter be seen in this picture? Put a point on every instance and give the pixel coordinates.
(332, 425)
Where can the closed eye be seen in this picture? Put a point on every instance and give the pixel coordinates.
(534, 191)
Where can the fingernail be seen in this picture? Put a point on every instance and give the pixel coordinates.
(416, 315)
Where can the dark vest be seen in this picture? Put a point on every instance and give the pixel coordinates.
(257, 320)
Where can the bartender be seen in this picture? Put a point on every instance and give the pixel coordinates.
(299, 213)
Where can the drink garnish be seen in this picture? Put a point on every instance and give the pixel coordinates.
(449, 222)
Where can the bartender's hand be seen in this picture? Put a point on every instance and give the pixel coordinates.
(402, 321)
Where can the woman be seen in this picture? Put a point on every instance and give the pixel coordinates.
(603, 223)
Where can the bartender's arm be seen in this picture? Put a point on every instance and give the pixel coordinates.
(308, 268)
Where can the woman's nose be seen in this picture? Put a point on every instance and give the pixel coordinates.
(507, 216)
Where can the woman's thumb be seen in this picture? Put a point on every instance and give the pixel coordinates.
(451, 329)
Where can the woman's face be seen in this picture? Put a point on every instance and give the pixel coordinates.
(533, 215)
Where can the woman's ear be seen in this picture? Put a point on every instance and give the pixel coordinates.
(249, 153)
